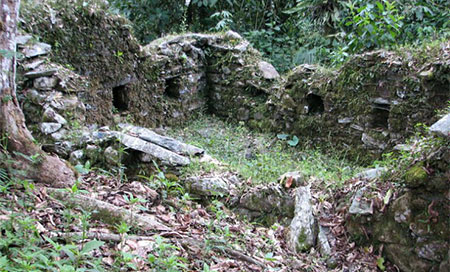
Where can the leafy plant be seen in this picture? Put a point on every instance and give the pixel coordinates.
(372, 25)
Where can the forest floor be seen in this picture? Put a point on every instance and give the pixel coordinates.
(42, 232)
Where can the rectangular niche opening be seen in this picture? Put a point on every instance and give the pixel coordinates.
(315, 104)
(380, 116)
(120, 98)
(172, 89)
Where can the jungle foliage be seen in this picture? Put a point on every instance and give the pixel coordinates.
(291, 32)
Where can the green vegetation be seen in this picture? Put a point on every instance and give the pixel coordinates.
(262, 158)
(297, 31)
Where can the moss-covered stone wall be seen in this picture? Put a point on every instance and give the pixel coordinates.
(367, 106)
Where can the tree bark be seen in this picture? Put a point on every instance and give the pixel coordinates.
(46, 169)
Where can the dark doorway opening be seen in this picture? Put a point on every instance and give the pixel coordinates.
(380, 117)
(172, 88)
(315, 104)
(120, 98)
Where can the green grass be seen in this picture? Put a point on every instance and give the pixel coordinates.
(261, 157)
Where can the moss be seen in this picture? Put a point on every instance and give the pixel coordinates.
(416, 175)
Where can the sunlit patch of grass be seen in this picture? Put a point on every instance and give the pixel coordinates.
(257, 156)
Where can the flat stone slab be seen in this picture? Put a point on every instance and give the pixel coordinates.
(163, 141)
(442, 127)
(37, 49)
(155, 151)
(42, 73)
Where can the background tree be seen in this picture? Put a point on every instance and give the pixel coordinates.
(29, 161)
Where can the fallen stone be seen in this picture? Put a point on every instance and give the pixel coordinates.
(112, 156)
(45, 83)
(267, 70)
(231, 35)
(163, 141)
(76, 157)
(302, 234)
(322, 242)
(209, 186)
(360, 206)
(296, 178)
(155, 151)
(41, 73)
(442, 127)
(371, 142)
(268, 199)
(372, 173)
(37, 49)
(49, 128)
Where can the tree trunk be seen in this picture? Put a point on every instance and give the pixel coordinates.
(42, 168)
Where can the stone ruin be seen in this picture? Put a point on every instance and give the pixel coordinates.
(89, 79)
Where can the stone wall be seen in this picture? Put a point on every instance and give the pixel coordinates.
(412, 222)
(371, 104)
(364, 108)
(162, 83)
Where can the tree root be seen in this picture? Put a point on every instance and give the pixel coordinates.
(106, 212)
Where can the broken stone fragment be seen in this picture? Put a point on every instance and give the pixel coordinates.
(302, 231)
(442, 127)
(33, 65)
(267, 70)
(35, 96)
(37, 49)
(50, 115)
(371, 142)
(41, 73)
(361, 206)
(112, 156)
(59, 135)
(23, 39)
(231, 35)
(76, 157)
(93, 153)
(45, 83)
(153, 150)
(373, 173)
(163, 141)
(49, 128)
(322, 241)
(295, 178)
(209, 186)
(268, 199)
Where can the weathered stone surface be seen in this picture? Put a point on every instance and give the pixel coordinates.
(49, 128)
(267, 70)
(296, 178)
(76, 157)
(163, 141)
(267, 199)
(45, 83)
(37, 49)
(41, 73)
(302, 231)
(322, 242)
(371, 142)
(360, 205)
(209, 186)
(372, 173)
(50, 115)
(112, 156)
(155, 151)
(442, 127)
(23, 39)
